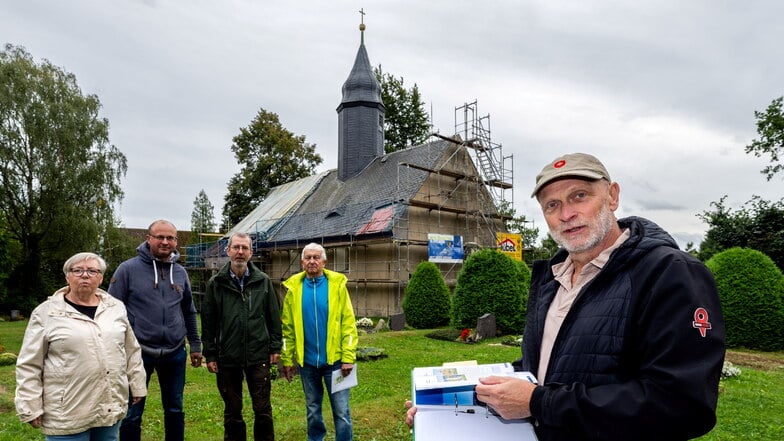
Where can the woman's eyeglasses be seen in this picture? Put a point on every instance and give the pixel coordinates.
(79, 272)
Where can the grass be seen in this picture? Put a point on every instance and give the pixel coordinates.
(750, 406)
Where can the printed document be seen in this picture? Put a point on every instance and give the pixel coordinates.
(339, 382)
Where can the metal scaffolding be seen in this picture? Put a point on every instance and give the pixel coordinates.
(462, 195)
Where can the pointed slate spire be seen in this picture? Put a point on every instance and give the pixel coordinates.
(360, 116)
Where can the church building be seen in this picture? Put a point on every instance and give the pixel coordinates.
(376, 212)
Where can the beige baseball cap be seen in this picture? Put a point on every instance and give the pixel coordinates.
(581, 165)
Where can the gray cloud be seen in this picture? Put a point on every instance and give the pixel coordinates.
(663, 91)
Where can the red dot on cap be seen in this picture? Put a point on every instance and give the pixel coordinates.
(559, 164)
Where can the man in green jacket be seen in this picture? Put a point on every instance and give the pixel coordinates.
(320, 330)
(241, 336)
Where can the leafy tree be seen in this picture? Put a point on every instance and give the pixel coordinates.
(759, 224)
(117, 245)
(726, 229)
(427, 301)
(546, 249)
(269, 156)
(6, 261)
(770, 127)
(405, 119)
(203, 215)
(691, 250)
(489, 282)
(60, 175)
(751, 290)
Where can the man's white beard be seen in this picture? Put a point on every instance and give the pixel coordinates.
(596, 234)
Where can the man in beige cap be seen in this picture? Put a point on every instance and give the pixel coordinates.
(624, 331)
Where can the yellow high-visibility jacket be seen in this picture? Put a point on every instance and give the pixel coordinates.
(342, 336)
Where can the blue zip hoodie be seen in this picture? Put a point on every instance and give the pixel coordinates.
(315, 311)
(157, 296)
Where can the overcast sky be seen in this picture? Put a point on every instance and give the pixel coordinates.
(662, 91)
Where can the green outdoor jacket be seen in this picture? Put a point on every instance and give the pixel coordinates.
(240, 328)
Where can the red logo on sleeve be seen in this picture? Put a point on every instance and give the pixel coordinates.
(701, 322)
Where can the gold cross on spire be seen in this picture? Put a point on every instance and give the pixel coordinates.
(362, 24)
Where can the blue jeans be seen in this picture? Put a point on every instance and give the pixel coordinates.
(313, 381)
(171, 378)
(93, 434)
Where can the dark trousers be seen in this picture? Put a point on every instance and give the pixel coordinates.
(171, 378)
(230, 387)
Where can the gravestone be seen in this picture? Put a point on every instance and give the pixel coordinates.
(397, 322)
(485, 326)
(381, 326)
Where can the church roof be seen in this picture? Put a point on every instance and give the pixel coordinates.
(265, 219)
(360, 207)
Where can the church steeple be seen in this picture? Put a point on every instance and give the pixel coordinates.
(360, 116)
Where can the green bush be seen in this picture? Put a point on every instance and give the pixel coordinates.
(489, 282)
(426, 302)
(370, 354)
(444, 334)
(751, 290)
(7, 359)
(511, 340)
(525, 276)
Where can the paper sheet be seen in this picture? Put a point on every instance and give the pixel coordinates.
(441, 424)
(339, 382)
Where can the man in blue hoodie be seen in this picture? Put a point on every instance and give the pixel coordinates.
(156, 291)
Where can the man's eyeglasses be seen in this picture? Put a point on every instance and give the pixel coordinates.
(240, 248)
(79, 272)
(162, 238)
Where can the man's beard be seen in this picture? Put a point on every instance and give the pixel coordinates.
(598, 230)
(239, 265)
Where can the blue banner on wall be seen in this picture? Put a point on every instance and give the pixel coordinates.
(444, 248)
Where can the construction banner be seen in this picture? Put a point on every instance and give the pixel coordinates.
(510, 244)
(444, 248)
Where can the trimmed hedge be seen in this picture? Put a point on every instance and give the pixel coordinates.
(490, 282)
(426, 303)
(751, 290)
(525, 276)
(445, 334)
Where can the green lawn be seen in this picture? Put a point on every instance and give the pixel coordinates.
(750, 407)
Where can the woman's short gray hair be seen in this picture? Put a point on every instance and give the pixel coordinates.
(81, 257)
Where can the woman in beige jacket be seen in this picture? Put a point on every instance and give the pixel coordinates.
(79, 359)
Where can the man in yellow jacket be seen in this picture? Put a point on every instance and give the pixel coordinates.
(320, 330)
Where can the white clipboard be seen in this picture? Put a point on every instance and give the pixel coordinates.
(468, 423)
(446, 408)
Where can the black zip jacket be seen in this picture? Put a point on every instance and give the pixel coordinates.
(240, 328)
(640, 353)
